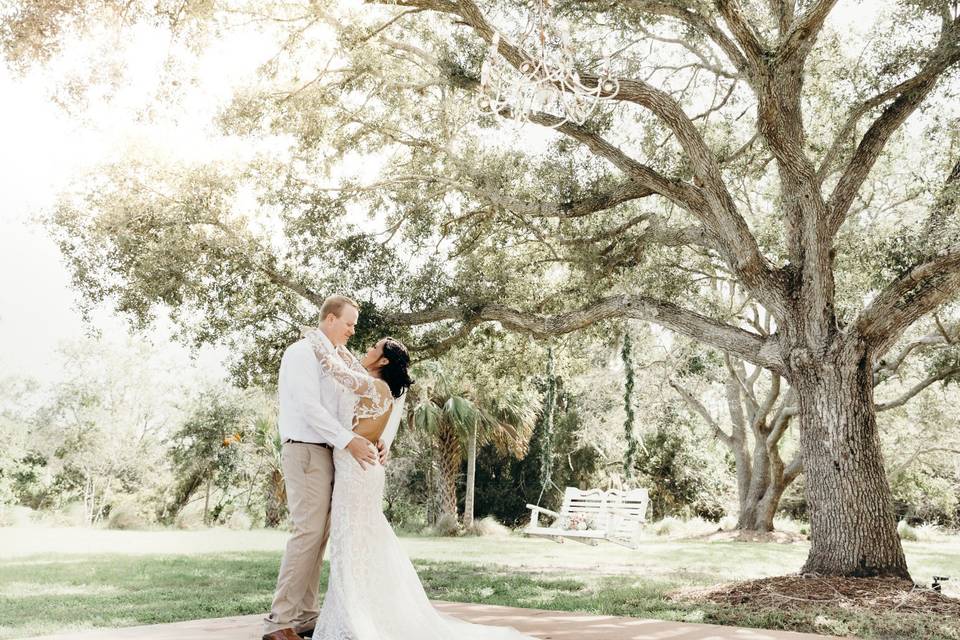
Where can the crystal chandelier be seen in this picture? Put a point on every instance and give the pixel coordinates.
(546, 81)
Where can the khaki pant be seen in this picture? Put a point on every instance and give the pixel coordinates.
(308, 474)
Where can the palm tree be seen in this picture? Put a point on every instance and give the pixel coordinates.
(506, 422)
(460, 419)
(430, 417)
(268, 449)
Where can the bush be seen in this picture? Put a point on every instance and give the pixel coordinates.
(72, 514)
(127, 513)
(683, 477)
(789, 525)
(239, 520)
(678, 528)
(446, 526)
(906, 531)
(666, 527)
(406, 495)
(930, 533)
(190, 518)
(793, 503)
(505, 485)
(920, 497)
(488, 526)
(15, 515)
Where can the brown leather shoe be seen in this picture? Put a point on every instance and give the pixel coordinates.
(305, 630)
(282, 634)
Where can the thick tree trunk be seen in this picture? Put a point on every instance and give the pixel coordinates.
(758, 511)
(471, 478)
(767, 508)
(852, 526)
(759, 482)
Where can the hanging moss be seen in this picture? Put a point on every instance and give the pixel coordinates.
(549, 401)
(630, 456)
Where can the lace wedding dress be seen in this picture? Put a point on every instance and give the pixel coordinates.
(374, 592)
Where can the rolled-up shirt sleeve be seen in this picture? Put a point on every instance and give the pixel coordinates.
(305, 379)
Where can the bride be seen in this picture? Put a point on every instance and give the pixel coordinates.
(374, 592)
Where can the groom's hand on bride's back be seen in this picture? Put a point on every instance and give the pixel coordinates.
(384, 452)
(362, 451)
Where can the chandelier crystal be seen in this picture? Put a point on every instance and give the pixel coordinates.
(546, 81)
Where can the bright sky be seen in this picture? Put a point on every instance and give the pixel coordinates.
(45, 148)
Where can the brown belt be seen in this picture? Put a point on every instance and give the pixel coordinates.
(318, 444)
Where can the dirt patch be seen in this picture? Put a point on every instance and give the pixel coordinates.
(778, 537)
(877, 595)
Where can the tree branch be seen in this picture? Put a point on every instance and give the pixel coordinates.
(917, 388)
(281, 280)
(892, 365)
(742, 30)
(767, 406)
(910, 95)
(697, 21)
(911, 296)
(800, 38)
(784, 11)
(945, 205)
(713, 205)
(681, 193)
(699, 408)
(781, 419)
(434, 349)
(919, 452)
(794, 469)
(762, 351)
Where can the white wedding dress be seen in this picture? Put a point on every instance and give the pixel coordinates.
(373, 592)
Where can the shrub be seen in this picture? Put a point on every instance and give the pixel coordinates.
(906, 531)
(793, 503)
(505, 485)
(127, 513)
(680, 528)
(239, 520)
(683, 477)
(488, 526)
(446, 526)
(15, 515)
(406, 494)
(666, 527)
(189, 518)
(789, 525)
(930, 533)
(921, 497)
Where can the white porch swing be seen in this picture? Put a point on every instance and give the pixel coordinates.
(588, 515)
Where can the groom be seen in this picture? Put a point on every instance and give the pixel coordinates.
(316, 415)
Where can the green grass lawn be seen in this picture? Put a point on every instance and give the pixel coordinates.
(54, 580)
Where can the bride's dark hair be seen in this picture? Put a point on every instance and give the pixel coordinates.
(395, 373)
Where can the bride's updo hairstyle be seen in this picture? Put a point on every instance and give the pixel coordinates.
(395, 373)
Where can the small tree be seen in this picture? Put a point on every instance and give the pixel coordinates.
(459, 421)
(205, 452)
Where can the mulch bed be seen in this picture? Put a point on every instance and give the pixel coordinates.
(880, 595)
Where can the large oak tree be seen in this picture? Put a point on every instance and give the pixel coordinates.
(747, 139)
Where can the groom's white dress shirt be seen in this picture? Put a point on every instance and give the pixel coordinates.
(313, 407)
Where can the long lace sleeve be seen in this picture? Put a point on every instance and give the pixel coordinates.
(351, 360)
(349, 373)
